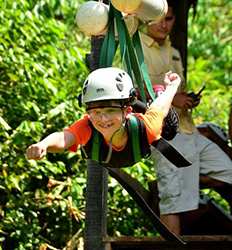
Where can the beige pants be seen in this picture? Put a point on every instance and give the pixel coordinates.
(179, 187)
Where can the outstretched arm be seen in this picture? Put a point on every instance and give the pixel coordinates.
(164, 101)
(53, 143)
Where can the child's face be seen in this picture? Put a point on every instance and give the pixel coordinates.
(107, 120)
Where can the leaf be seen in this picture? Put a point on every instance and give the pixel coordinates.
(4, 124)
(56, 111)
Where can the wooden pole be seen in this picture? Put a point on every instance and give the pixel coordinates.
(96, 207)
(179, 33)
(97, 179)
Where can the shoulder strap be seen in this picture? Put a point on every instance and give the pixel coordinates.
(133, 128)
(144, 70)
(95, 146)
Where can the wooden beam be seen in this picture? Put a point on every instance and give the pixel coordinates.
(156, 243)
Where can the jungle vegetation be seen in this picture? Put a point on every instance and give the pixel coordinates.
(42, 69)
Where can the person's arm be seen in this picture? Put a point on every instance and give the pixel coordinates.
(164, 101)
(53, 143)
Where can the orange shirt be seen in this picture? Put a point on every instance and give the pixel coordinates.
(153, 121)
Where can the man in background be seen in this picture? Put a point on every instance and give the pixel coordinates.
(179, 188)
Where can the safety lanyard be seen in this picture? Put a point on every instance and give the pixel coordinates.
(130, 51)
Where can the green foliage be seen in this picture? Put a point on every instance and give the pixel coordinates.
(42, 70)
(210, 59)
(129, 219)
(42, 65)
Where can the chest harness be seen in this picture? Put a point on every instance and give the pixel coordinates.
(137, 146)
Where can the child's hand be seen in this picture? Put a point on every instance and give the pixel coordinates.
(36, 151)
(172, 79)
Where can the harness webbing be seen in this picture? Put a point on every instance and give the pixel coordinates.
(138, 48)
(95, 146)
(134, 132)
(131, 56)
(109, 45)
(133, 128)
(133, 59)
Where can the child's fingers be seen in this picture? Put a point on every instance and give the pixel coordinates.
(173, 76)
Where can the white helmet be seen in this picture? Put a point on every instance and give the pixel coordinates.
(107, 84)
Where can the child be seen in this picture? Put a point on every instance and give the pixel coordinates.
(108, 94)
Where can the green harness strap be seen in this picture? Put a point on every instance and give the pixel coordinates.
(133, 59)
(138, 48)
(134, 136)
(131, 52)
(95, 150)
(109, 45)
(133, 127)
(128, 54)
(130, 59)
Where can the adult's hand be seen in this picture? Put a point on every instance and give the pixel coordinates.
(183, 101)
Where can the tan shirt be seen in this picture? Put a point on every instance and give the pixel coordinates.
(160, 60)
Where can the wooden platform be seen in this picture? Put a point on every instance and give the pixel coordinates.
(220, 242)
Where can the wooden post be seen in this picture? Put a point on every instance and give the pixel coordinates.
(96, 207)
(97, 179)
(179, 33)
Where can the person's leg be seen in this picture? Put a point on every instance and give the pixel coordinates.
(178, 187)
(172, 221)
